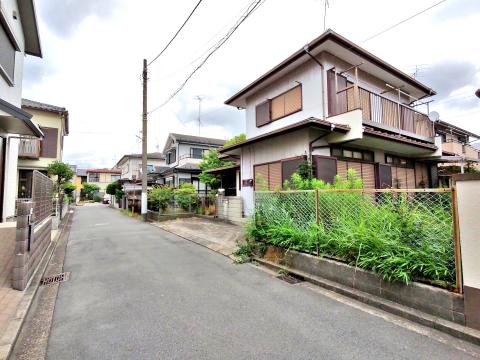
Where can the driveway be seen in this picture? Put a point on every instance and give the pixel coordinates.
(138, 292)
(215, 235)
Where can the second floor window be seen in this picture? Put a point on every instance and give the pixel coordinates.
(280, 106)
(7, 55)
(48, 147)
(171, 156)
(93, 177)
(196, 153)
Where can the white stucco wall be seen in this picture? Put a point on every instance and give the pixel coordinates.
(13, 95)
(279, 148)
(310, 76)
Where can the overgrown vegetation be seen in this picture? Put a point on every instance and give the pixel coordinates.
(402, 236)
(90, 189)
(116, 190)
(187, 197)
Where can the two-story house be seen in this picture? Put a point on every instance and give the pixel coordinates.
(37, 154)
(103, 177)
(183, 154)
(131, 165)
(18, 37)
(340, 107)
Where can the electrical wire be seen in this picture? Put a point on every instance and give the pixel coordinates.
(176, 34)
(253, 6)
(403, 21)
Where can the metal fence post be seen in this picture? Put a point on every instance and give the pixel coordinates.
(456, 244)
(317, 216)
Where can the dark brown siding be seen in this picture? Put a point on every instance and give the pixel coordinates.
(325, 168)
(289, 167)
(384, 176)
(335, 108)
(262, 113)
(49, 143)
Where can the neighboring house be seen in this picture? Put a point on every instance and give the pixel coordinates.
(36, 154)
(131, 165)
(18, 37)
(103, 177)
(458, 148)
(341, 107)
(183, 154)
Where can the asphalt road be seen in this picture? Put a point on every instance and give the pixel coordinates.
(137, 292)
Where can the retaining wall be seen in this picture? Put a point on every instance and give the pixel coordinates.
(429, 299)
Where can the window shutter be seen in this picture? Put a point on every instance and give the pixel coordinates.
(368, 176)
(261, 177)
(410, 178)
(262, 113)
(7, 53)
(49, 143)
(278, 107)
(289, 167)
(293, 100)
(342, 169)
(325, 169)
(274, 176)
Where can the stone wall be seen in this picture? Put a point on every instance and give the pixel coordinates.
(30, 245)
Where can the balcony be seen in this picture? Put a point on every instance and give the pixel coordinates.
(454, 147)
(382, 112)
(471, 153)
(29, 148)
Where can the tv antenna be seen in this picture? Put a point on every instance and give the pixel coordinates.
(199, 98)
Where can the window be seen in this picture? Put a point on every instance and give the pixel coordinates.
(353, 154)
(398, 161)
(171, 156)
(280, 106)
(196, 153)
(268, 176)
(150, 168)
(93, 177)
(115, 177)
(7, 53)
(48, 146)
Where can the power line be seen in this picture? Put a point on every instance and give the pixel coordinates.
(178, 31)
(253, 6)
(404, 20)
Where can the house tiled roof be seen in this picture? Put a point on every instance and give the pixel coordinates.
(197, 139)
(36, 105)
(107, 171)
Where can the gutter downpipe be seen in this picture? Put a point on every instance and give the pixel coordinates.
(310, 144)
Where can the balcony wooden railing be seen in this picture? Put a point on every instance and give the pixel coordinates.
(29, 148)
(378, 109)
(471, 153)
(453, 147)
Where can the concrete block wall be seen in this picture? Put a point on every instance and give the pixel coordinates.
(230, 208)
(26, 260)
(7, 249)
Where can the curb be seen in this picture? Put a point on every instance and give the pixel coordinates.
(13, 330)
(448, 327)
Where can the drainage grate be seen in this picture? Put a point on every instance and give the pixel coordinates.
(291, 278)
(55, 279)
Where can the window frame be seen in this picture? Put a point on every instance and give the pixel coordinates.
(202, 151)
(4, 24)
(95, 175)
(352, 150)
(270, 101)
(409, 163)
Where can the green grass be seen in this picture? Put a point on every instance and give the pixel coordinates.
(402, 237)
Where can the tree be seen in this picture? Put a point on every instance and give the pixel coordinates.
(159, 197)
(89, 189)
(63, 173)
(68, 189)
(112, 188)
(235, 140)
(211, 161)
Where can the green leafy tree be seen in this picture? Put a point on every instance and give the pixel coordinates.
(235, 140)
(89, 189)
(111, 188)
(68, 189)
(187, 197)
(159, 197)
(211, 161)
(63, 173)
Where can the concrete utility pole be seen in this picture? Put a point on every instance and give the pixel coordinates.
(144, 142)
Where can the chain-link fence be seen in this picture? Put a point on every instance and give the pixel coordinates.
(181, 204)
(401, 233)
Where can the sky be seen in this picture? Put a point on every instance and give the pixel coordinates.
(93, 52)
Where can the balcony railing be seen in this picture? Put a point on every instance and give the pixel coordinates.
(29, 148)
(378, 109)
(453, 147)
(190, 156)
(471, 153)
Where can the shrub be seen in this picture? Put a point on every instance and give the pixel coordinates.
(187, 197)
(97, 198)
(159, 197)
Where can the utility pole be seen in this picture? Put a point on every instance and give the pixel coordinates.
(199, 98)
(144, 142)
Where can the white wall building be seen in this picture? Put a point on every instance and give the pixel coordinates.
(18, 37)
(131, 164)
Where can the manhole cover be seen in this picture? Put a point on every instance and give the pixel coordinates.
(291, 279)
(55, 279)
